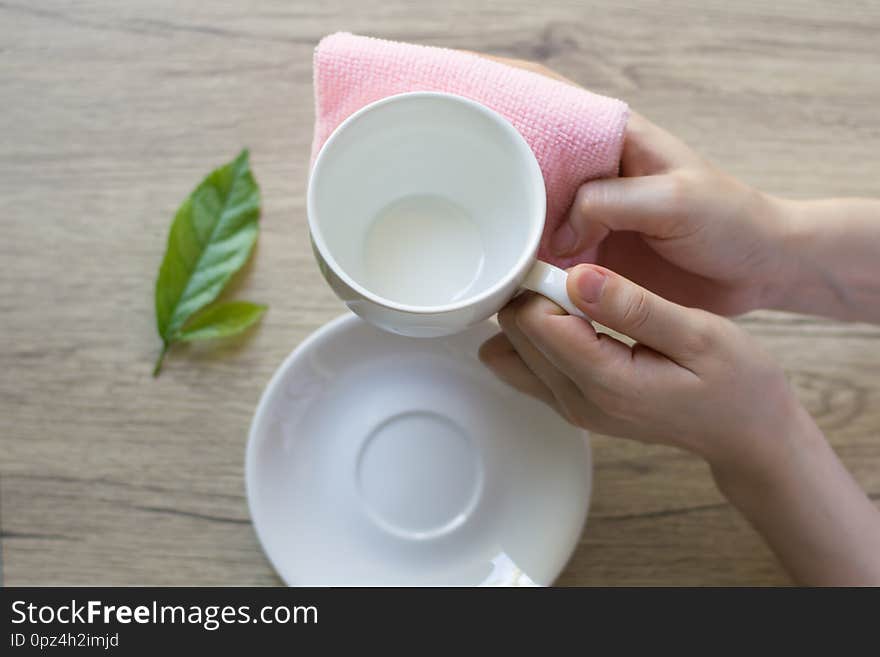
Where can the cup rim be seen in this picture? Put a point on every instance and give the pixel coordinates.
(528, 253)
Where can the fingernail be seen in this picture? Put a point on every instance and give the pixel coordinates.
(589, 284)
(563, 240)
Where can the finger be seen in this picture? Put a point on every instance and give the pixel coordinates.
(573, 346)
(503, 361)
(649, 204)
(498, 354)
(563, 388)
(648, 149)
(683, 334)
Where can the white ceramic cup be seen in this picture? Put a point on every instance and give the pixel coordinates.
(425, 211)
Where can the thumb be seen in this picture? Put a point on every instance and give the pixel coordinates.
(613, 301)
(647, 204)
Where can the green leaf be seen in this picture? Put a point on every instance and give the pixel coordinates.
(211, 237)
(221, 321)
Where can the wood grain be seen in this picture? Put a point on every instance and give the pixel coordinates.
(113, 111)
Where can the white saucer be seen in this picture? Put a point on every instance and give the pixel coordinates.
(375, 459)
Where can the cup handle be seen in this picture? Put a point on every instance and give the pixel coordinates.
(549, 281)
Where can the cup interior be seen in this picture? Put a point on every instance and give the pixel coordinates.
(426, 200)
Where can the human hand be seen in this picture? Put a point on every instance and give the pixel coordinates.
(678, 226)
(696, 381)
(693, 380)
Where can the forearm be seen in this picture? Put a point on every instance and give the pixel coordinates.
(831, 259)
(814, 516)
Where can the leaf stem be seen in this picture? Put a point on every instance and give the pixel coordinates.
(158, 367)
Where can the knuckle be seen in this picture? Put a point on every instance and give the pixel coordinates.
(590, 194)
(679, 186)
(703, 335)
(636, 310)
(507, 317)
(521, 323)
(581, 204)
(529, 318)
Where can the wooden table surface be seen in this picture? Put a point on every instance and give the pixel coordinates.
(111, 112)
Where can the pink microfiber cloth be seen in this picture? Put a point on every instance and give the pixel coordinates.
(576, 135)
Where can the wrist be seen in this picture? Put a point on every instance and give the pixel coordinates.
(811, 512)
(781, 460)
(803, 284)
(787, 273)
